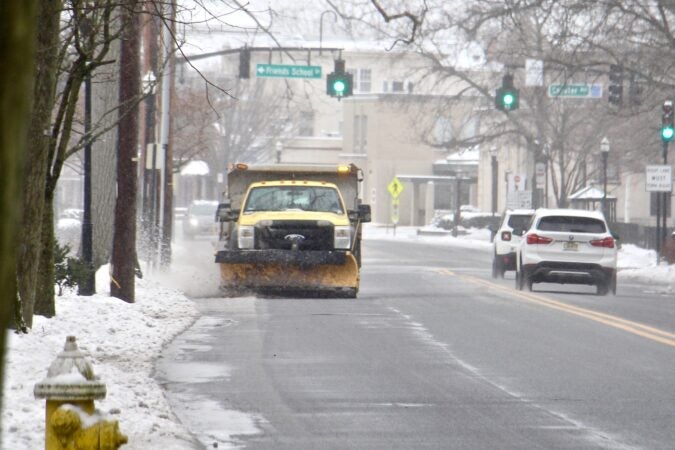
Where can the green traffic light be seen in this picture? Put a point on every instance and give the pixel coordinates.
(508, 100)
(667, 133)
(339, 87)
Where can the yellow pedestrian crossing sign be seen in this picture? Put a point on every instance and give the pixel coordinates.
(395, 187)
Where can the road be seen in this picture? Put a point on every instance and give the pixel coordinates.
(433, 354)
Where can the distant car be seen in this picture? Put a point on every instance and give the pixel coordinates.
(200, 219)
(568, 246)
(507, 239)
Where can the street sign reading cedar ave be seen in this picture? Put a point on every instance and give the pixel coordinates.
(580, 90)
(286, 71)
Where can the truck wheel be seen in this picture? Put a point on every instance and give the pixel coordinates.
(357, 253)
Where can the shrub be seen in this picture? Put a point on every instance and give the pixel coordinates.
(68, 271)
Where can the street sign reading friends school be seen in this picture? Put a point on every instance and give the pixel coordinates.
(287, 71)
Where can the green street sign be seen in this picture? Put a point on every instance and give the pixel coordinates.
(285, 71)
(575, 90)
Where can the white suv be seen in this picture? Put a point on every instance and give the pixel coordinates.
(567, 246)
(507, 239)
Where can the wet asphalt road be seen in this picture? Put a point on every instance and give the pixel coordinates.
(433, 354)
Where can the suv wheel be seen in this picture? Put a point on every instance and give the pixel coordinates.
(602, 288)
(496, 269)
(526, 280)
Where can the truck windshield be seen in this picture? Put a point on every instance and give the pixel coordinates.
(282, 198)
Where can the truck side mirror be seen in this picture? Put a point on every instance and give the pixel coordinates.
(362, 214)
(225, 214)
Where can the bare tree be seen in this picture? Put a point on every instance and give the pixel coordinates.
(576, 40)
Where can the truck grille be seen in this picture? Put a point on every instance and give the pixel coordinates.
(307, 234)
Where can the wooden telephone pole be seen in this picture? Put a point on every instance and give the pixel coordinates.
(124, 234)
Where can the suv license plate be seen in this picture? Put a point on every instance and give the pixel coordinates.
(570, 246)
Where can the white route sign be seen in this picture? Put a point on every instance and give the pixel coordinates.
(658, 178)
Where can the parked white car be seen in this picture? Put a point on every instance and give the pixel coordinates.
(507, 239)
(568, 246)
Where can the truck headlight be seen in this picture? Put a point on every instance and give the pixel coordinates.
(342, 238)
(194, 221)
(246, 237)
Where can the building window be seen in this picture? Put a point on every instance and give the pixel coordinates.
(360, 133)
(469, 128)
(442, 131)
(362, 80)
(397, 86)
(306, 125)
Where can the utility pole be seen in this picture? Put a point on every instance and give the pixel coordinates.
(124, 234)
(168, 79)
(151, 31)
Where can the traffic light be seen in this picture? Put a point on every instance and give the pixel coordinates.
(339, 83)
(507, 96)
(245, 63)
(667, 121)
(615, 91)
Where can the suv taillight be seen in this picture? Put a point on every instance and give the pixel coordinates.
(536, 239)
(607, 242)
(506, 235)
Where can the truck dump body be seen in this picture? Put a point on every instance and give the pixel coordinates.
(291, 227)
(238, 181)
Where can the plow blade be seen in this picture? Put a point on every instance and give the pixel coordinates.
(279, 276)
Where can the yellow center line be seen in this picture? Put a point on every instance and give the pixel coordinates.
(629, 326)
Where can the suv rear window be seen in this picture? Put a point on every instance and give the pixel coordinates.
(519, 221)
(570, 224)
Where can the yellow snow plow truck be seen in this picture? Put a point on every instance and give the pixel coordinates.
(291, 228)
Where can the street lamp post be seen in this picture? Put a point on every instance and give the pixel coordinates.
(88, 284)
(604, 151)
(493, 155)
(149, 192)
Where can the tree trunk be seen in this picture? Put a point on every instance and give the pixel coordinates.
(44, 292)
(35, 173)
(124, 234)
(17, 43)
(104, 159)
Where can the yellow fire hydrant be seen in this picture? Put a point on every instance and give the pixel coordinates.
(71, 422)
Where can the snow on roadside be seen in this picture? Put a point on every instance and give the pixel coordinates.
(121, 340)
